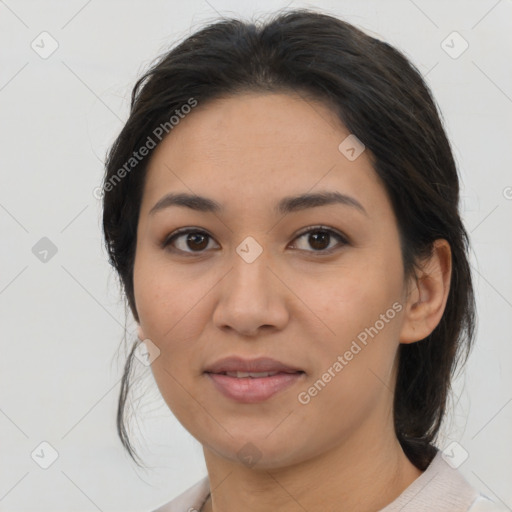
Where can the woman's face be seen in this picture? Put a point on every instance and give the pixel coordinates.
(317, 286)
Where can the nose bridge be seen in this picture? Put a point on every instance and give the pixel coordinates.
(250, 270)
(249, 297)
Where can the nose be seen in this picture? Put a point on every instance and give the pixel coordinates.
(252, 298)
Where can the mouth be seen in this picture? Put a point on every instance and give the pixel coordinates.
(253, 388)
(252, 381)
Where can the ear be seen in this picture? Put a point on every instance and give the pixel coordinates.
(428, 293)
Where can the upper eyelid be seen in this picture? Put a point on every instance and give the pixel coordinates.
(320, 227)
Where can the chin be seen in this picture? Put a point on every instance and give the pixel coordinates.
(259, 452)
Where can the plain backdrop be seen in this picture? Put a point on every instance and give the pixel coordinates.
(62, 317)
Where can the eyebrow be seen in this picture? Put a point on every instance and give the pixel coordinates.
(285, 205)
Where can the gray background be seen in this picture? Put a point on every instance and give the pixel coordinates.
(62, 318)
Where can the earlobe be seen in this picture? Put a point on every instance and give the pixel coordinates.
(427, 299)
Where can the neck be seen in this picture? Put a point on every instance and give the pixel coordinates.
(357, 475)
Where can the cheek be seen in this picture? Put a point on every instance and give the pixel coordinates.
(168, 309)
(351, 298)
(173, 311)
(158, 292)
(359, 384)
(152, 300)
(360, 310)
(172, 317)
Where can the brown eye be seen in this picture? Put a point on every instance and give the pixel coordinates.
(319, 238)
(188, 241)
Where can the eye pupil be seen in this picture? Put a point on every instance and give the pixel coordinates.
(193, 237)
(319, 236)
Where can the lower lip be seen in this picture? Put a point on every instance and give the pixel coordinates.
(252, 390)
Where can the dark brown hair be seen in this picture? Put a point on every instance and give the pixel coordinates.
(381, 98)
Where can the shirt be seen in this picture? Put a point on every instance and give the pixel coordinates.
(440, 488)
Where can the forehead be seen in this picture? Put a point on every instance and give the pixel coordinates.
(256, 121)
(251, 147)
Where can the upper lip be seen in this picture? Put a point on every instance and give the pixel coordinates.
(262, 364)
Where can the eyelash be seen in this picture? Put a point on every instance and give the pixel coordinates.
(166, 244)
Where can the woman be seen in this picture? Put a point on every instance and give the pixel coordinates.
(282, 210)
